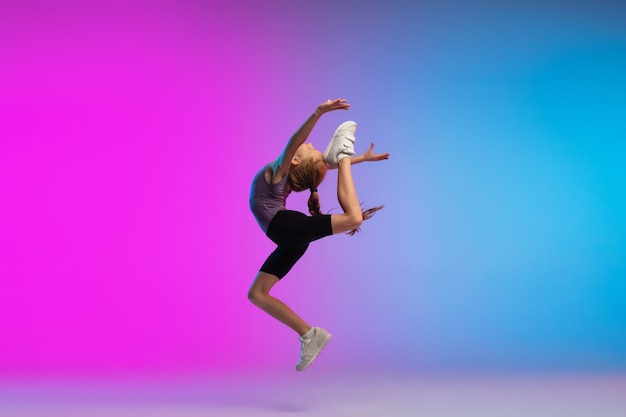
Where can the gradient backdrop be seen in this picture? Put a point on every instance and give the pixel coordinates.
(130, 133)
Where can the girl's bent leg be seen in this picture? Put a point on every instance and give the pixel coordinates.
(346, 193)
(259, 296)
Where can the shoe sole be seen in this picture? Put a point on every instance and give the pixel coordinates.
(317, 352)
(344, 126)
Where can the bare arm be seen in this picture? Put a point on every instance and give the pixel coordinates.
(281, 166)
(369, 156)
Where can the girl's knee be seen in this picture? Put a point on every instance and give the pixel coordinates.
(353, 221)
(357, 220)
(261, 287)
(255, 295)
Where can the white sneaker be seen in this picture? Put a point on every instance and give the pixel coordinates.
(342, 144)
(312, 347)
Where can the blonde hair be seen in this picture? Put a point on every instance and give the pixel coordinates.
(308, 175)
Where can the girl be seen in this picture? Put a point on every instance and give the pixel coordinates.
(301, 167)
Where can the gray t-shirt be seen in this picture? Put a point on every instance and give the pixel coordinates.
(267, 199)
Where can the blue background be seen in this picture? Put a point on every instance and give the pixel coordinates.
(503, 240)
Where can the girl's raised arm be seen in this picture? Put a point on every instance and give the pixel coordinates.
(281, 166)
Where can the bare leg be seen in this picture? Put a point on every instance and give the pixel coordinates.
(346, 193)
(259, 295)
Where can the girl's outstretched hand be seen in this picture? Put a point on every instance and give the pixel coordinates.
(330, 105)
(369, 155)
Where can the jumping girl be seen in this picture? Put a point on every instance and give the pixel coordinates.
(301, 167)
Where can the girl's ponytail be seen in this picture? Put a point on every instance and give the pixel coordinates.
(314, 203)
(308, 175)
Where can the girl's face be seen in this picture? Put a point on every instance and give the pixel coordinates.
(306, 151)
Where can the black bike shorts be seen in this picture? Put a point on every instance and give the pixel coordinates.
(292, 231)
